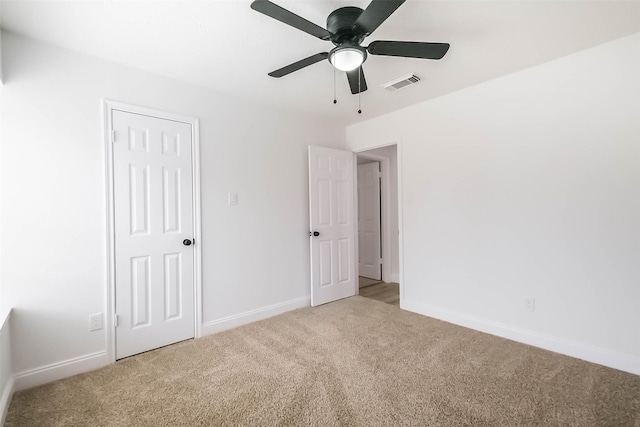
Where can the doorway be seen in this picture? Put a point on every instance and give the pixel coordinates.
(369, 217)
(333, 222)
(154, 254)
(385, 287)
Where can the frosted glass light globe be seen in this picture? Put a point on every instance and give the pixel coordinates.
(346, 59)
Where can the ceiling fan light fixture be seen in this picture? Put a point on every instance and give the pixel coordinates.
(347, 58)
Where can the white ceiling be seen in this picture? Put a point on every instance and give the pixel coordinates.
(230, 48)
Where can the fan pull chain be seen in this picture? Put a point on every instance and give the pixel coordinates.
(359, 90)
(335, 101)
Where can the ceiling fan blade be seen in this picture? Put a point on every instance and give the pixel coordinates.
(409, 49)
(299, 65)
(290, 18)
(357, 82)
(375, 14)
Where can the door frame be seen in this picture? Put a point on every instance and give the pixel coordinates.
(385, 191)
(110, 292)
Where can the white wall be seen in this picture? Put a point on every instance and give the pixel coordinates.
(2, 306)
(6, 367)
(528, 186)
(255, 254)
(1, 73)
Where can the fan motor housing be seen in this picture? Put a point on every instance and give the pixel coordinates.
(340, 23)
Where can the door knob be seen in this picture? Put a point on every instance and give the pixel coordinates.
(187, 242)
(315, 234)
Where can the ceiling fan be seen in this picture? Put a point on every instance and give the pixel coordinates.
(347, 27)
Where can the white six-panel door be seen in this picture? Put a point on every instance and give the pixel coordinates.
(153, 208)
(369, 221)
(331, 210)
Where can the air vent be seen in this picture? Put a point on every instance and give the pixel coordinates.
(401, 82)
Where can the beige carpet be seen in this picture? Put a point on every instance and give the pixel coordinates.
(353, 362)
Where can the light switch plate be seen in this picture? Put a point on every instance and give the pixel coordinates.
(233, 198)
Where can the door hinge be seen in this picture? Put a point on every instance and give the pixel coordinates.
(380, 260)
(113, 136)
(115, 320)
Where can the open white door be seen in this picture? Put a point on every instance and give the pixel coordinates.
(154, 260)
(369, 221)
(332, 222)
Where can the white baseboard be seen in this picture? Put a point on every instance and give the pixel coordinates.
(395, 277)
(59, 370)
(5, 400)
(601, 356)
(89, 362)
(240, 319)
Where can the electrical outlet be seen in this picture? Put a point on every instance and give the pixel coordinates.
(95, 322)
(530, 304)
